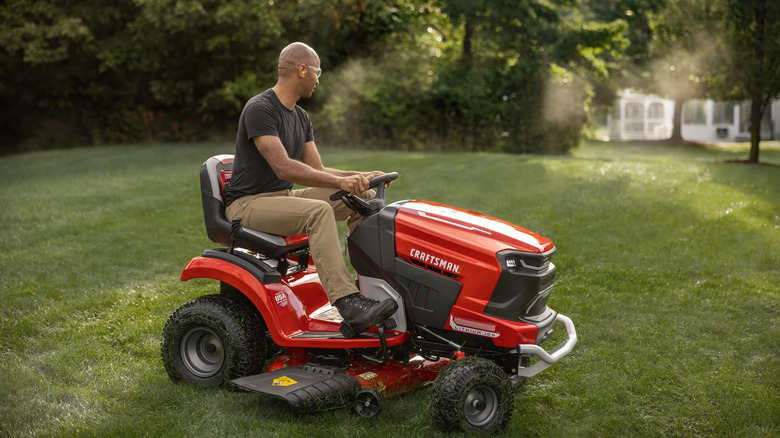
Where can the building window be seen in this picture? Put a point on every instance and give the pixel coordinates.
(633, 110)
(634, 121)
(723, 112)
(656, 111)
(693, 112)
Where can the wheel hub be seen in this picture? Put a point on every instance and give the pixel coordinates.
(368, 402)
(202, 352)
(480, 406)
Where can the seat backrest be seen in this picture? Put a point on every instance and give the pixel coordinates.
(212, 183)
(215, 175)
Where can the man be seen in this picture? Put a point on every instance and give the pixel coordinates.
(275, 149)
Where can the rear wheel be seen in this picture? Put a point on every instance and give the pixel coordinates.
(472, 393)
(212, 340)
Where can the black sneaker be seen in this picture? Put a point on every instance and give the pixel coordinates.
(360, 313)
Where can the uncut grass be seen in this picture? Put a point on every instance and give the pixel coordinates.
(667, 263)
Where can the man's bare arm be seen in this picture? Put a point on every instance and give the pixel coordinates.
(311, 157)
(303, 173)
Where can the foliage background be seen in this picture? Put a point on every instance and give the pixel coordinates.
(460, 75)
(432, 75)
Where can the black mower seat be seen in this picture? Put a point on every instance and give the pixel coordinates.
(214, 174)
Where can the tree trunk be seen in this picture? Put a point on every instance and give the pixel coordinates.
(755, 127)
(756, 104)
(677, 120)
(360, 9)
(468, 31)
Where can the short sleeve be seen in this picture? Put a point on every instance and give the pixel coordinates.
(309, 131)
(260, 119)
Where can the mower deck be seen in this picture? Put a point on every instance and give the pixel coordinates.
(308, 388)
(312, 387)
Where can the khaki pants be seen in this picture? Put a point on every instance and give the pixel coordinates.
(293, 212)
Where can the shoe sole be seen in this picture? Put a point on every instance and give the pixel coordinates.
(350, 330)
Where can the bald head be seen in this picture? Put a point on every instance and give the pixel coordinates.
(294, 55)
(299, 69)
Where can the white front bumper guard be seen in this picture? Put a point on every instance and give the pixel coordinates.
(548, 358)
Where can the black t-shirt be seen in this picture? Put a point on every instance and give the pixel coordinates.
(262, 115)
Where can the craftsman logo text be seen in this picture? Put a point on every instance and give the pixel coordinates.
(434, 261)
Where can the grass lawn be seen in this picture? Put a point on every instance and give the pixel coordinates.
(668, 263)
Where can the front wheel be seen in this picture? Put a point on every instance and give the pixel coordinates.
(212, 340)
(472, 393)
(368, 402)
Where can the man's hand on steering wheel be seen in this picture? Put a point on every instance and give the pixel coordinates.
(346, 190)
(354, 184)
(364, 207)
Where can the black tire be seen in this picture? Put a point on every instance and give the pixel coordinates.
(212, 340)
(472, 393)
(226, 290)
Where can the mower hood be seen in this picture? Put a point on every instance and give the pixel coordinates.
(475, 228)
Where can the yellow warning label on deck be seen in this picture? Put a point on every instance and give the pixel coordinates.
(284, 381)
(368, 376)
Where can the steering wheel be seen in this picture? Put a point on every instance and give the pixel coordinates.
(372, 183)
(367, 207)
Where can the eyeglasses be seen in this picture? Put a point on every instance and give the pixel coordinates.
(317, 70)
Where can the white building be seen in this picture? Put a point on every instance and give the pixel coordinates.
(645, 117)
(640, 117)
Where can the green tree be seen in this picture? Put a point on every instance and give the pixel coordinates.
(86, 71)
(49, 69)
(544, 59)
(199, 60)
(638, 17)
(379, 94)
(474, 75)
(748, 31)
(96, 71)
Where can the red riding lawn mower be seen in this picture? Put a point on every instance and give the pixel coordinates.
(472, 293)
